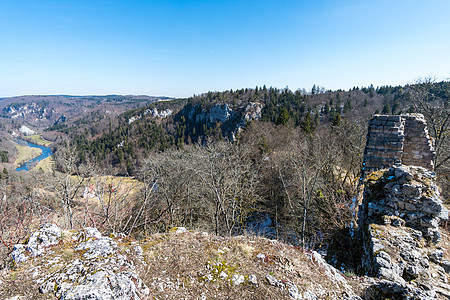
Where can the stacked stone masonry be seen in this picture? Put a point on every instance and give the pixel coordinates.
(395, 140)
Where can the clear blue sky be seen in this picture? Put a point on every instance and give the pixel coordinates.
(178, 48)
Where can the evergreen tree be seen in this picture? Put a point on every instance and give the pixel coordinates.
(336, 120)
(326, 109)
(387, 109)
(347, 106)
(308, 124)
(283, 117)
(316, 118)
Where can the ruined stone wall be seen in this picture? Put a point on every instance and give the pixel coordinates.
(418, 148)
(395, 140)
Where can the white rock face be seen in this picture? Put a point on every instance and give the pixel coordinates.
(47, 235)
(289, 286)
(154, 112)
(87, 233)
(253, 280)
(238, 279)
(15, 298)
(220, 113)
(331, 271)
(162, 114)
(26, 131)
(400, 214)
(253, 111)
(133, 119)
(105, 284)
(18, 253)
(99, 273)
(100, 247)
(165, 113)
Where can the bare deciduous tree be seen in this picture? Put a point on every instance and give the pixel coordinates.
(67, 182)
(431, 98)
(209, 187)
(229, 179)
(435, 106)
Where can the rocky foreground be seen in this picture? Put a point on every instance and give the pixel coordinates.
(57, 264)
(404, 255)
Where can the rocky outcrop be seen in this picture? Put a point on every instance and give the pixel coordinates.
(253, 111)
(26, 131)
(180, 264)
(217, 113)
(46, 236)
(399, 224)
(88, 266)
(233, 120)
(153, 112)
(404, 195)
(220, 113)
(158, 114)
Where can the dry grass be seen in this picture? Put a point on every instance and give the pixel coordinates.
(38, 139)
(46, 165)
(445, 242)
(19, 282)
(26, 153)
(179, 266)
(122, 186)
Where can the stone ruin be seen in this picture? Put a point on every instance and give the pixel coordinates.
(395, 140)
(399, 216)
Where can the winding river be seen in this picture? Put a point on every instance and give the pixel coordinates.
(46, 152)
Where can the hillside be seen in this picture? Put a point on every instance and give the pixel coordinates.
(124, 129)
(55, 116)
(294, 153)
(223, 115)
(180, 264)
(41, 112)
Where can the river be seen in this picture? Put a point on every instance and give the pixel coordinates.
(46, 152)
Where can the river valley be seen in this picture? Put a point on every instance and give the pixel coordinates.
(28, 165)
